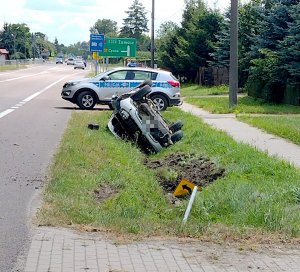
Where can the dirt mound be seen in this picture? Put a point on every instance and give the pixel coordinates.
(171, 170)
(195, 168)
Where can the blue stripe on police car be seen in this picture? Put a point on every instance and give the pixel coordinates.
(127, 84)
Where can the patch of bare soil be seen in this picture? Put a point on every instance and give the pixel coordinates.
(171, 170)
(195, 168)
(105, 191)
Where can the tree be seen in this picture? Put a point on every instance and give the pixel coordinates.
(167, 39)
(267, 63)
(57, 47)
(7, 38)
(184, 49)
(250, 26)
(79, 49)
(105, 26)
(165, 28)
(250, 18)
(290, 47)
(136, 22)
(221, 52)
(197, 37)
(16, 39)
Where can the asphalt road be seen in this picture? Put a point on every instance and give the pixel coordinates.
(32, 120)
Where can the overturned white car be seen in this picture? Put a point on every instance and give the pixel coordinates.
(137, 118)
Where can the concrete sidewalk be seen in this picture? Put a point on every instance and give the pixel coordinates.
(64, 250)
(243, 132)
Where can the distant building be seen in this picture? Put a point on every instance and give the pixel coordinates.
(4, 55)
(45, 54)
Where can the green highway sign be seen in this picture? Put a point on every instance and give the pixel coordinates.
(119, 47)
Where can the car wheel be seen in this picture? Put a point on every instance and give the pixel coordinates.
(176, 126)
(110, 106)
(176, 136)
(86, 100)
(160, 102)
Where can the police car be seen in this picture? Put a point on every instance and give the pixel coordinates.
(86, 93)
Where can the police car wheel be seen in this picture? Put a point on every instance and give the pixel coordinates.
(110, 106)
(160, 102)
(86, 100)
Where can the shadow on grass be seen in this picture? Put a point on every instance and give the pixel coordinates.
(78, 109)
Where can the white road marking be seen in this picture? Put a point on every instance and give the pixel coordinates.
(24, 101)
(3, 113)
(32, 96)
(16, 78)
(59, 69)
(16, 71)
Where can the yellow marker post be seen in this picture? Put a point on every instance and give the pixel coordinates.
(183, 188)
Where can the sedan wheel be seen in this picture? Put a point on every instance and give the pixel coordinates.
(86, 100)
(160, 102)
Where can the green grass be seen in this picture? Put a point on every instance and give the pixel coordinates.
(258, 192)
(12, 67)
(188, 90)
(284, 126)
(245, 104)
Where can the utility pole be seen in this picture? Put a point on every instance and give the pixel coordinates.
(233, 69)
(152, 35)
(13, 35)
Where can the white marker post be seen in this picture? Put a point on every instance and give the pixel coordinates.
(189, 207)
(128, 51)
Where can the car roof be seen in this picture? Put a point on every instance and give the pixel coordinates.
(140, 69)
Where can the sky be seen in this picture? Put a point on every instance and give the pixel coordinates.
(70, 20)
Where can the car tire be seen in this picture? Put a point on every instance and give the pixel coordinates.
(86, 100)
(177, 136)
(176, 126)
(110, 106)
(160, 102)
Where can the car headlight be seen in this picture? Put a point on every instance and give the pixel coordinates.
(69, 84)
(66, 93)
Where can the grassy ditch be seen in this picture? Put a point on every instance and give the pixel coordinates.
(245, 105)
(189, 90)
(257, 192)
(286, 126)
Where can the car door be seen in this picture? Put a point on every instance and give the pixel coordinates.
(115, 85)
(122, 81)
(140, 76)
